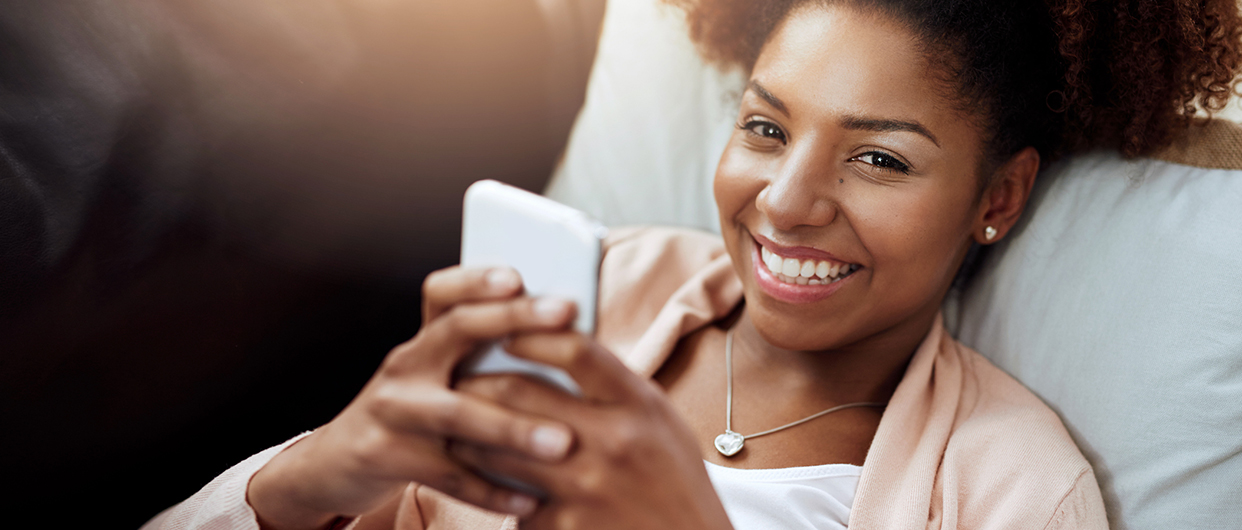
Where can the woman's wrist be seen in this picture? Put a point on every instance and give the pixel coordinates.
(279, 503)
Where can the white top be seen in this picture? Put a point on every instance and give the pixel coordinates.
(811, 497)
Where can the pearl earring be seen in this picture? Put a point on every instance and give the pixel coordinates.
(989, 233)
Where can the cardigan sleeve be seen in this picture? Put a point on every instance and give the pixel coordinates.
(1082, 507)
(221, 504)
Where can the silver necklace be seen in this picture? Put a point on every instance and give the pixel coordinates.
(731, 442)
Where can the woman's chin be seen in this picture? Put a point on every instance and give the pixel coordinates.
(779, 331)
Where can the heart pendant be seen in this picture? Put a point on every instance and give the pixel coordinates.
(729, 443)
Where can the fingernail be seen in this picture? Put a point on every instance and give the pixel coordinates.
(521, 505)
(551, 308)
(502, 279)
(550, 442)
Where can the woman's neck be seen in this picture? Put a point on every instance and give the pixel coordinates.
(865, 371)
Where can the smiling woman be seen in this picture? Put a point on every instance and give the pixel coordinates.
(877, 143)
(871, 168)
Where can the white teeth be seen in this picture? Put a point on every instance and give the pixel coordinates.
(791, 267)
(809, 272)
(772, 261)
(822, 269)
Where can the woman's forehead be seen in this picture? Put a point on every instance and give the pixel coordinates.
(833, 62)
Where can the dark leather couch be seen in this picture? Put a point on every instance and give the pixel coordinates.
(215, 217)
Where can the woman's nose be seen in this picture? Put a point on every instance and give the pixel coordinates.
(800, 194)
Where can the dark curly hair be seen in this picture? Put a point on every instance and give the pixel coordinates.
(1060, 75)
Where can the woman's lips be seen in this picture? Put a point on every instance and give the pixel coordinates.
(795, 252)
(829, 275)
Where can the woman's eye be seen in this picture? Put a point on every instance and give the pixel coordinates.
(763, 129)
(883, 161)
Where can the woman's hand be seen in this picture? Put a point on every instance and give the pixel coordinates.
(635, 463)
(397, 429)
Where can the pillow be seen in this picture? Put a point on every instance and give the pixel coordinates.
(1119, 302)
(645, 146)
(1233, 112)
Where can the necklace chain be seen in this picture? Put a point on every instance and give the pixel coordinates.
(732, 441)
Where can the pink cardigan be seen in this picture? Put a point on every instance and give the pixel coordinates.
(961, 444)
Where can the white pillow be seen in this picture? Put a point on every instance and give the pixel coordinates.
(646, 143)
(1119, 302)
(1233, 111)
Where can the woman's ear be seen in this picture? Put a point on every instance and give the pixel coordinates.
(1005, 197)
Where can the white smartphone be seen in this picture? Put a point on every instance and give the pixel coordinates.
(555, 248)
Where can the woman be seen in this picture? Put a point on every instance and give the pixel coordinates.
(804, 358)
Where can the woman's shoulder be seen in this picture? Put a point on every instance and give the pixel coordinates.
(996, 403)
(1016, 454)
(652, 262)
(643, 266)
(665, 243)
(657, 283)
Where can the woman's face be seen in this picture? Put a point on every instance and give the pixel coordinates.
(849, 165)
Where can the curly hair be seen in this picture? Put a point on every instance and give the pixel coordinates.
(1060, 75)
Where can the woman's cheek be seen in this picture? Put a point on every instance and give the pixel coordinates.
(903, 230)
(739, 179)
(934, 244)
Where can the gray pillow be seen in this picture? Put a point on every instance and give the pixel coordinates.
(1119, 302)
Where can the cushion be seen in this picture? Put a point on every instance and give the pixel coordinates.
(646, 142)
(1118, 300)
(1234, 111)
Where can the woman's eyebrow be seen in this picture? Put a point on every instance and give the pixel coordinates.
(774, 101)
(863, 123)
(856, 123)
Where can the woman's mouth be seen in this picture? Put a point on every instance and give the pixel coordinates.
(805, 271)
(798, 280)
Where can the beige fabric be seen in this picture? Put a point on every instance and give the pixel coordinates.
(961, 444)
(221, 504)
(1214, 144)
